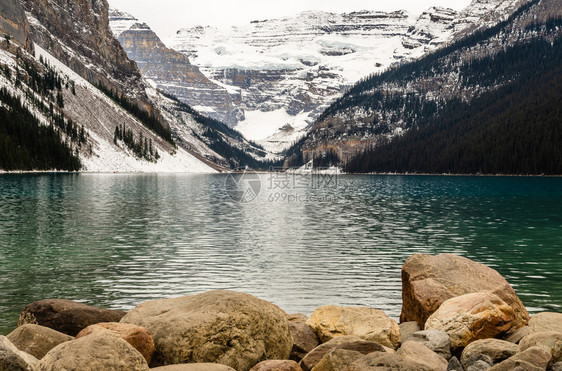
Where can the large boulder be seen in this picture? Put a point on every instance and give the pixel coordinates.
(277, 365)
(428, 281)
(234, 329)
(304, 340)
(366, 323)
(37, 340)
(472, 317)
(66, 316)
(546, 321)
(497, 350)
(384, 362)
(550, 341)
(194, 367)
(13, 359)
(418, 352)
(137, 336)
(435, 340)
(345, 342)
(534, 358)
(101, 351)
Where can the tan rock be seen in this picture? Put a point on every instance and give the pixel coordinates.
(472, 317)
(546, 321)
(534, 358)
(137, 336)
(407, 329)
(297, 317)
(225, 327)
(550, 341)
(273, 365)
(366, 323)
(418, 352)
(497, 350)
(428, 281)
(385, 362)
(101, 351)
(66, 316)
(516, 336)
(337, 359)
(435, 340)
(13, 359)
(342, 342)
(304, 340)
(194, 367)
(37, 340)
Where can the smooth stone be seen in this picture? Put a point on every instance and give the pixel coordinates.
(337, 359)
(226, 327)
(386, 361)
(137, 336)
(437, 341)
(454, 365)
(13, 359)
(479, 366)
(101, 351)
(428, 281)
(534, 358)
(407, 329)
(479, 358)
(304, 340)
(546, 321)
(516, 336)
(342, 342)
(366, 323)
(194, 367)
(471, 317)
(550, 341)
(277, 365)
(497, 350)
(66, 316)
(37, 340)
(418, 352)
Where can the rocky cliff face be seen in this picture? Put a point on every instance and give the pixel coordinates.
(287, 71)
(13, 22)
(77, 33)
(171, 71)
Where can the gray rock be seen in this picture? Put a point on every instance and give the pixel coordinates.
(479, 366)
(407, 329)
(437, 341)
(556, 367)
(13, 359)
(37, 340)
(478, 358)
(454, 365)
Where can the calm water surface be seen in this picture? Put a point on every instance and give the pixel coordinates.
(117, 240)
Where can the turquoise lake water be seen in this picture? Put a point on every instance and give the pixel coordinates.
(116, 240)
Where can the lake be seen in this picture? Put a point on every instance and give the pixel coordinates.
(297, 240)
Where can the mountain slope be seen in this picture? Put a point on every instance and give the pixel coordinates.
(171, 71)
(282, 73)
(417, 94)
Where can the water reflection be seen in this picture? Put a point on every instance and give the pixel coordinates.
(117, 240)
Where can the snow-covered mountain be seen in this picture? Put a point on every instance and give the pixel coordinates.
(282, 73)
(62, 67)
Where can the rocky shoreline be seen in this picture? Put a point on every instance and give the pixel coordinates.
(457, 314)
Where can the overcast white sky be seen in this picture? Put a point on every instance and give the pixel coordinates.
(165, 17)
